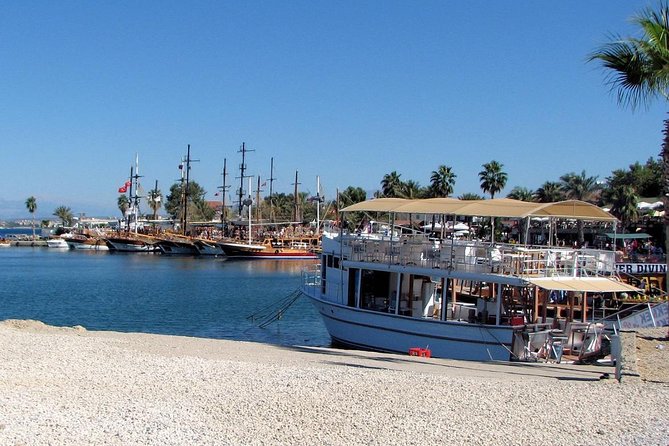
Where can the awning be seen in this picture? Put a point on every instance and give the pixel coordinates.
(589, 284)
(498, 207)
(627, 236)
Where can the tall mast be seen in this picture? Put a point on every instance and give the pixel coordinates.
(296, 205)
(318, 203)
(186, 191)
(127, 219)
(136, 197)
(224, 188)
(242, 169)
(271, 182)
(258, 210)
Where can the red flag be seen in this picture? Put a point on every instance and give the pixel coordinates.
(122, 189)
(127, 184)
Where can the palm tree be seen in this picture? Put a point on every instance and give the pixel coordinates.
(625, 202)
(154, 198)
(580, 187)
(123, 203)
(492, 178)
(638, 71)
(549, 192)
(391, 184)
(411, 190)
(470, 196)
(442, 181)
(65, 215)
(521, 193)
(31, 204)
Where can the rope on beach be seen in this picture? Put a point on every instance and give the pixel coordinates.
(274, 311)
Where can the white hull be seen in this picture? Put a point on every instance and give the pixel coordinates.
(208, 249)
(131, 247)
(393, 333)
(57, 243)
(101, 246)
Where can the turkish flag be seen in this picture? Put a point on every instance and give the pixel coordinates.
(122, 189)
(127, 184)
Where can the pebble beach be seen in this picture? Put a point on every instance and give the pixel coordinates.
(70, 386)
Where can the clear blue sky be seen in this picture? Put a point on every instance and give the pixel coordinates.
(348, 90)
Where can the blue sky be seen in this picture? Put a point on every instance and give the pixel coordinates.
(345, 90)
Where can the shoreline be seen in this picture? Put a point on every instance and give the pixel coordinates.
(70, 386)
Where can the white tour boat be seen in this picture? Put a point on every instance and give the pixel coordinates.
(463, 299)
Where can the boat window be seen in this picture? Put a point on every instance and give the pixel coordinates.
(336, 262)
(329, 262)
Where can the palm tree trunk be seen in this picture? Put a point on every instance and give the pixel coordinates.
(665, 193)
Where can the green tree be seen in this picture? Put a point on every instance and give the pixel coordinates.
(31, 204)
(442, 181)
(349, 196)
(123, 203)
(492, 178)
(624, 204)
(198, 208)
(580, 187)
(469, 196)
(65, 215)
(391, 184)
(638, 72)
(411, 190)
(549, 192)
(521, 193)
(154, 198)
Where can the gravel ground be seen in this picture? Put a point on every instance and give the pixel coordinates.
(66, 386)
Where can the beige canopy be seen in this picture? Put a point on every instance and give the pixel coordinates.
(498, 207)
(589, 284)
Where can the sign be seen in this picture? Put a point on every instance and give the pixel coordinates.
(642, 268)
(643, 319)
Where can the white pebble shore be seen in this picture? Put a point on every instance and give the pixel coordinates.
(70, 386)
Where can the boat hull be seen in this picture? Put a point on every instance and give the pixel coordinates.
(371, 330)
(129, 245)
(57, 244)
(251, 251)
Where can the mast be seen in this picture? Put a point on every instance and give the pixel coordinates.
(242, 169)
(127, 217)
(224, 188)
(318, 203)
(296, 205)
(186, 191)
(271, 183)
(258, 210)
(136, 197)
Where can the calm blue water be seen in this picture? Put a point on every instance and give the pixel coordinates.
(203, 297)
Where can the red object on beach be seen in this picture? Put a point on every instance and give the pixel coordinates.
(417, 351)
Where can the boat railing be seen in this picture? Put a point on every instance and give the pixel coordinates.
(482, 257)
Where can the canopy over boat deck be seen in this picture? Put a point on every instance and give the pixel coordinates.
(497, 207)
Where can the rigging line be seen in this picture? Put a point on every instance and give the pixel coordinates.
(279, 313)
(269, 308)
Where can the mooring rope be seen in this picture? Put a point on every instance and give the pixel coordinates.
(274, 311)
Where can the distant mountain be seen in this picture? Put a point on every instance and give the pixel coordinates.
(16, 209)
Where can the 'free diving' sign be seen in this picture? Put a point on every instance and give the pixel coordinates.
(642, 268)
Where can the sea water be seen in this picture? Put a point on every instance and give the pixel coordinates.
(153, 293)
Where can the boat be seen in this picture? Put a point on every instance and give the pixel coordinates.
(272, 248)
(4, 243)
(173, 244)
(58, 243)
(85, 242)
(393, 290)
(131, 242)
